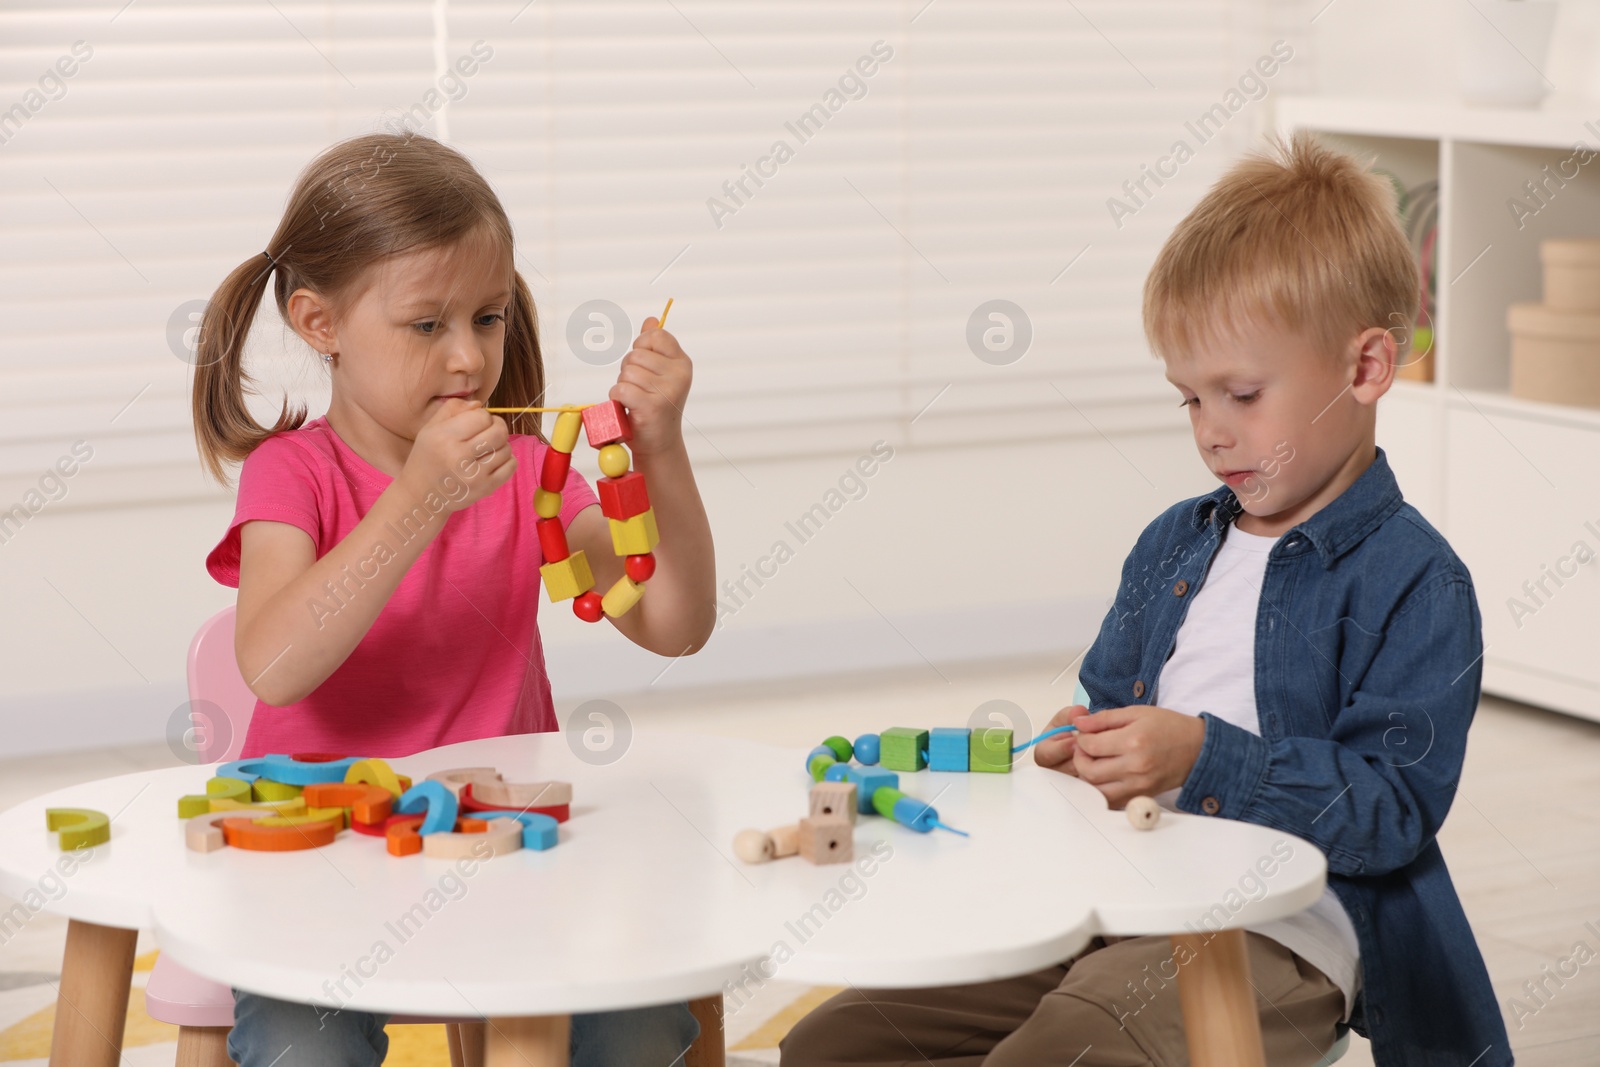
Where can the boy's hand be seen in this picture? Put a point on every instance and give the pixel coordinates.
(1056, 752)
(1136, 751)
(461, 453)
(653, 384)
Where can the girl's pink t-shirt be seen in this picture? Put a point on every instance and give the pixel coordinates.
(455, 653)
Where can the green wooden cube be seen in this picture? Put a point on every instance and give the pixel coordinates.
(991, 750)
(903, 748)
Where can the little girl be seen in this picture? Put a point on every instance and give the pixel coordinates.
(385, 554)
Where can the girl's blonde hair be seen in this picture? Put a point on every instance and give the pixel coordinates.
(1300, 235)
(360, 201)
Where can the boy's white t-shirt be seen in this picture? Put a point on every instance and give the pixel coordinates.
(1212, 668)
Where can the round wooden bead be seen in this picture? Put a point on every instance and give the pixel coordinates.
(866, 749)
(587, 606)
(753, 846)
(546, 505)
(613, 461)
(640, 567)
(818, 760)
(842, 749)
(1144, 813)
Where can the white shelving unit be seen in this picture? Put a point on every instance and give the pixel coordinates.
(1513, 484)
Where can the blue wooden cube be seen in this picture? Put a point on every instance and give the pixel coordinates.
(866, 779)
(948, 748)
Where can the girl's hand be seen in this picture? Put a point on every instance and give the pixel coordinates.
(1136, 751)
(1056, 752)
(461, 453)
(653, 384)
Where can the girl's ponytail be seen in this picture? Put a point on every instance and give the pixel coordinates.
(225, 431)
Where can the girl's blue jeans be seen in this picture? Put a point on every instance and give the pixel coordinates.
(278, 1033)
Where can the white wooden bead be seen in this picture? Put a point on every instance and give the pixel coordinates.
(1144, 813)
(752, 846)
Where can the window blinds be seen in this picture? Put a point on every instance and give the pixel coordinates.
(878, 219)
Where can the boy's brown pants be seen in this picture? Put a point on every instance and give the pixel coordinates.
(1109, 1006)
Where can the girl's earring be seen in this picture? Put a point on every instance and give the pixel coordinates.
(327, 357)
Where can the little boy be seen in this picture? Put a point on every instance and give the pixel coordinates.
(1315, 647)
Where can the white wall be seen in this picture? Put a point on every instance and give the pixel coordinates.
(1408, 49)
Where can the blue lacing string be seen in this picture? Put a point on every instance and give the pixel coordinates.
(1048, 733)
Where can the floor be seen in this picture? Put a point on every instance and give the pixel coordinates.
(1527, 867)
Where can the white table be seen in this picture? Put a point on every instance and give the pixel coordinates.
(642, 901)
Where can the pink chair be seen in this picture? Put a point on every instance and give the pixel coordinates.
(200, 1008)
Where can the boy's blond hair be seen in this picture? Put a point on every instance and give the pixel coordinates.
(1301, 236)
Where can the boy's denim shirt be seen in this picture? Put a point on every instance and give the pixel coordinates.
(1368, 662)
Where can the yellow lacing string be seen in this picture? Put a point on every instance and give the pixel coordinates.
(661, 322)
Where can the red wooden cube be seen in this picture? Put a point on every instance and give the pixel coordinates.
(624, 497)
(606, 423)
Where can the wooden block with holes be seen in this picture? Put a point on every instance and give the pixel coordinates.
(834, 800)
(827, 840)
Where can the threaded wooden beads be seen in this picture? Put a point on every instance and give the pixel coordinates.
(623, 500)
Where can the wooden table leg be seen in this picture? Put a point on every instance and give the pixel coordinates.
(532, 1041)
(92, 999)
(710, 1048)
(1219, 1003)
(466, 1041)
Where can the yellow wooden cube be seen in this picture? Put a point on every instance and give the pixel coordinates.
(546, 505)
(635, 536)
(566, 578)
(564, 438)
(622, 596)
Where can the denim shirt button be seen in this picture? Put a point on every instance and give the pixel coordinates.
(1180, 588)
(1138, 688)
(1210, 806)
